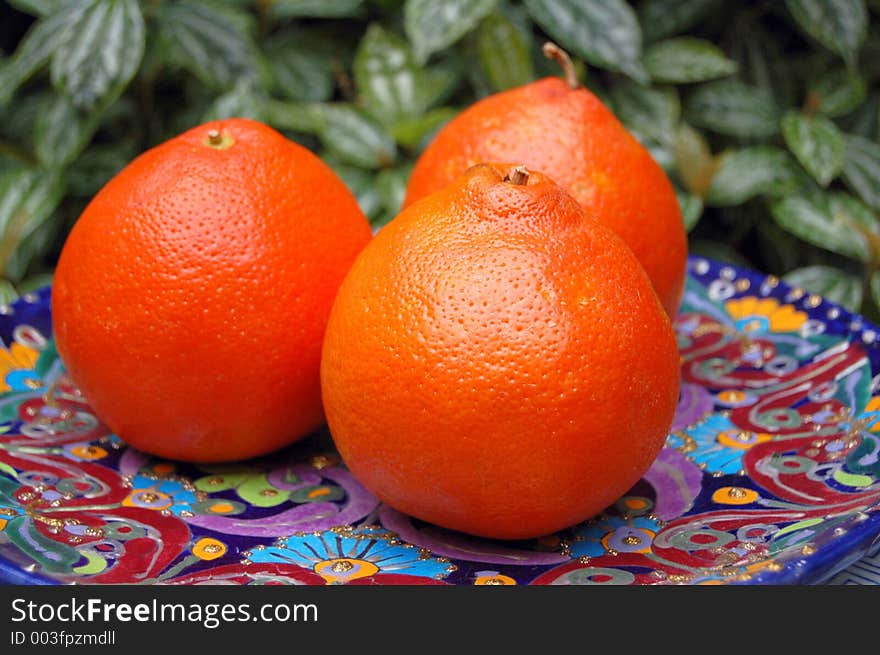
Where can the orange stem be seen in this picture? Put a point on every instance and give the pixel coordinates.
(560, 56)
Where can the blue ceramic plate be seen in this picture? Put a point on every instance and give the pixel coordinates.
(771, 475)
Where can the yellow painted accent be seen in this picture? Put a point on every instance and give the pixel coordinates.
(343, 569)
(207, 548)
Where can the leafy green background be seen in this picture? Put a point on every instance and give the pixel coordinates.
(766, 115)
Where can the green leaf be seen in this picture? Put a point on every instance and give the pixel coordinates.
(662, 18)
(39, 8)
(34, 248)
(414, 133)
(838, 92)
(861, 169)
(206, 43)
(442, 81)
(294, 116)
(875, 287)
(761, 62)
(687, 59)
(35, 283)
(359, 182)
(298, 71)
(817, 144)
(62, 131)
(829, 282)
(865, 120)
(96, 166)
(691, 208)
(27, 199)
(36, 49)
(823, 223)
(696, 164)
(604, 32)
(355, 138)
(99, 52)
(839, 25)
(662, 153)
(391, 187)
(746, 173)
(8, 294)
(433, 25)
(315, 8)
(242, 101)
(735, 109)
(651, 111)
(391, 85)
(504, 53)
(854, 210)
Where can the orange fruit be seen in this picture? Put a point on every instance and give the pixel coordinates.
(563, 130)
(497, 362)
(190, 298)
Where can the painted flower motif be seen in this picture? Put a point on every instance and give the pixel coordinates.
(298, 485)
(756, 315)
(17, 368)
(341, 555)
(860, 466)
(617, 534)
(208, 549)
(716, 444)
(492, 578)
(85, 452)
(161, 494)
(6, 513)
(735, 496)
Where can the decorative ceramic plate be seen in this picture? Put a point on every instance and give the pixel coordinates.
(771, 475)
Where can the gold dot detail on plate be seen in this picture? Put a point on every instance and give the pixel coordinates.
(269, 493)
(631, 540)
(323, 461)
(341, 566)
(743, 285)
(808, 549)
(813, 300)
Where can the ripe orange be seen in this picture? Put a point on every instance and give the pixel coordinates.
(497, 362)
(567, 133)
(191, 297)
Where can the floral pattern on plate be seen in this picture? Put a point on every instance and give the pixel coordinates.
(771, 474)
